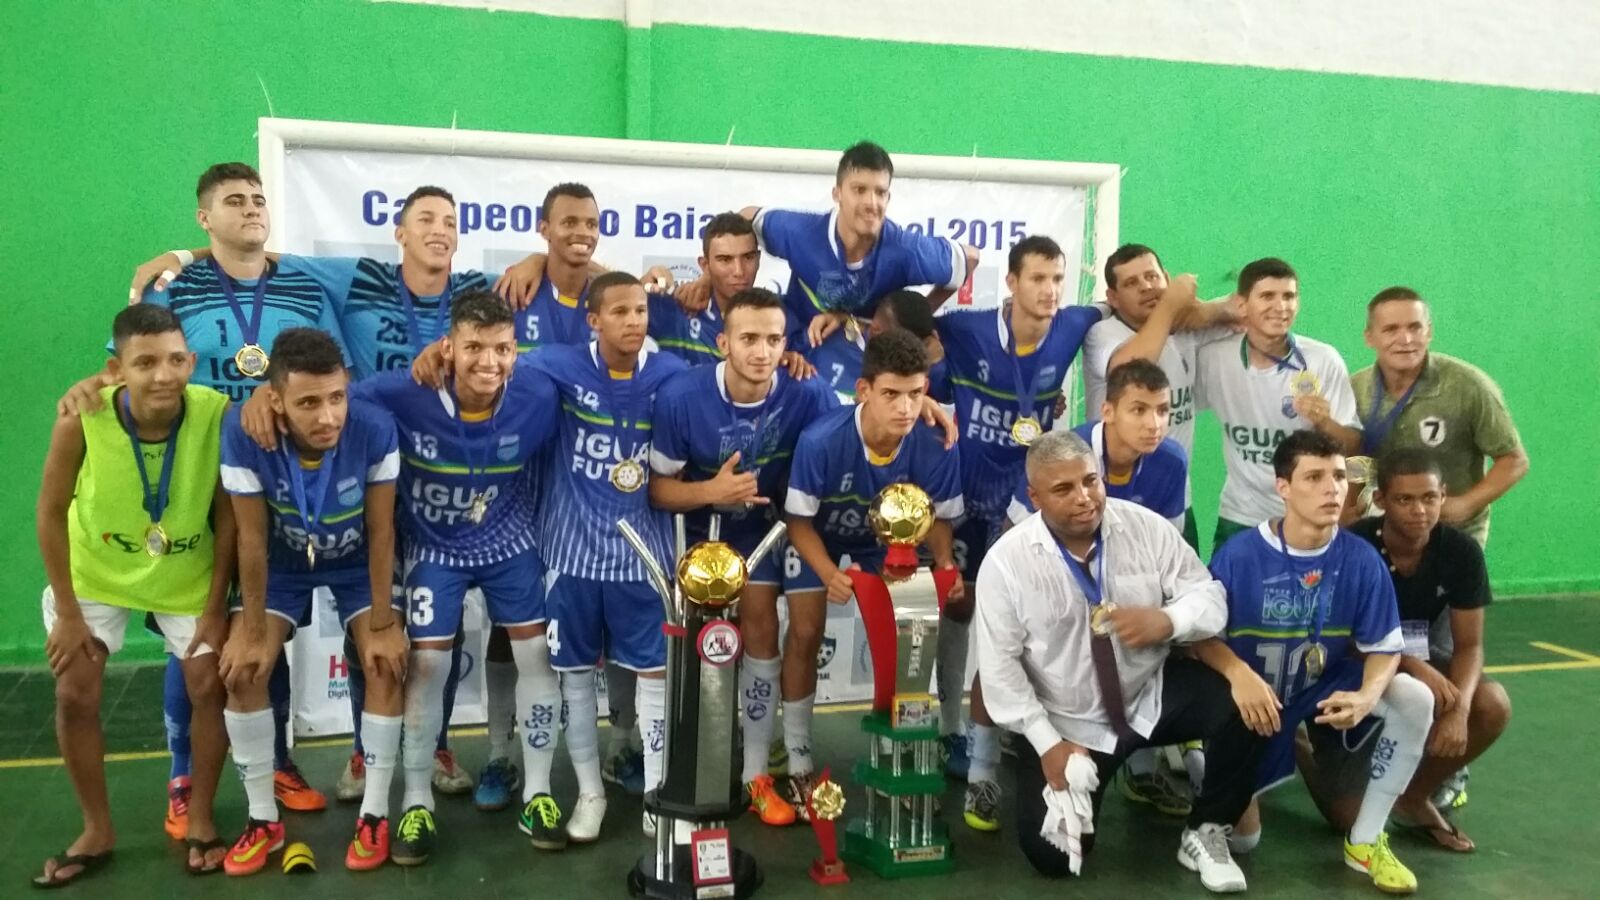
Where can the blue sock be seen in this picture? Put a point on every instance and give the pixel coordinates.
(278, 691)
(357, 681)
(450, 689)
(175, 709)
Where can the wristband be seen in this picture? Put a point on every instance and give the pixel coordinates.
(185, 258)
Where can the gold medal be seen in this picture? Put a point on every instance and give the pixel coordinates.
(852, 329)
(1358, 469)
(1316, 661)
(252, 361)
(1304, 383)
(1025, 430)
(480, 508)
(827, 800)
(627, 476)
(311, 553)
(156, 542)
(1100, 618)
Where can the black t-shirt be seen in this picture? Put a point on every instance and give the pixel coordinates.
(1451, 575)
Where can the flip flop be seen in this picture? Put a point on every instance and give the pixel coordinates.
(87, 863)
(1448, 837)
(205, 847)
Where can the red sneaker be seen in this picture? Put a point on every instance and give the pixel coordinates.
(369, 849)
(291, 789)
(178, 808)
(249, 854)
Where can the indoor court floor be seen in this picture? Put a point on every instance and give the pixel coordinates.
(1531, 812)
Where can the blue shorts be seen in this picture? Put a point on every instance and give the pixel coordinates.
(799, 577)
(972, 538)
(289, 595)
(619, 620)
(770, 570)
(1277, 760)
(513, 594)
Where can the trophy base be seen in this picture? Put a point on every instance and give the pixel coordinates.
(826, 873)
(933, 856)
(642, 881)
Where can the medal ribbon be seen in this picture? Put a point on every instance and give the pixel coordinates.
(468, 449)
(249, 330)
(1288, 361)
(297, 486)
(1374, 431)
(1324, 588)
(413, 323)
(155, 502)
(1101, 652)
(622, 406)
(1092, 586)
(1027, 395)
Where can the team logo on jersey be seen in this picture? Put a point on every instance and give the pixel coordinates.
(1432, 431)
(830, 646)
(1288, 408)
(1311, 579)
(507, 450)
(349, 491)
(719, 643)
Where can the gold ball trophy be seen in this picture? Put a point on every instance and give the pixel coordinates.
(700, 788)
(899, 836)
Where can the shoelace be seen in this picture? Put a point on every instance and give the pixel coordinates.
(179, 798)
(549, 813)
(985, 797)
(412, 825)
(1381, 853)
(297, 781)
(255, 830)
(369, 825)
(1214, 841)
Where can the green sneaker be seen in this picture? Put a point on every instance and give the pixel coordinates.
(778, 759)
(414, 839)
(1153, 790)
(541, 822)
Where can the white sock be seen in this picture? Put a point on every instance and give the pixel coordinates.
(951, 654)
(500, 684)
(538, 697)
(424, 717)
(1243, 843)
(583, 728)
(622, 693)
(251, 734)
(1142, 761)
(758, 688)
(651, 698)
(797, 733)
(1407, 710)
(1194, 762)
(380, 738)
(983, 751)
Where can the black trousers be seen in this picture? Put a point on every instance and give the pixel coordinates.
(1196, 704)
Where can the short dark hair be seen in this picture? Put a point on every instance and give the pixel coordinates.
(1032, 245)
(1391, 295)
(1135, 373)
(142, 318)
(565, 189)
(480, 309)
(1302, 443)
(1266, 267)
(1407, 461)
(752, 298)
(307, 350)
(865, 155)
(599, 286)
(728, 223)
(911, 312)
(228, 171)
(426, 190)
(1123, 255)
(894, 352)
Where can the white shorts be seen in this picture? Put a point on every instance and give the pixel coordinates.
(109, 624)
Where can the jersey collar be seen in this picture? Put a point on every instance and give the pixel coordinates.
(867, 454)
(722, 387)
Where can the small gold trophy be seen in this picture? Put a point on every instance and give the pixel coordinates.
(826, 805)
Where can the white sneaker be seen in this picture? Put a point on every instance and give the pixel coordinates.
(353, 780)
(583, 826)
(648, 826)
(1205, 850)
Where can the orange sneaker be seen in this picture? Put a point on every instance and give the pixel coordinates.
(764, 799)
(249, 854)
(291, 789)
(178, 808)
(369, 849)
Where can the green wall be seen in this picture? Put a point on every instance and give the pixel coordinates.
(1482, 198)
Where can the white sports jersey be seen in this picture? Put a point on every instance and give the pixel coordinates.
(1255, 409)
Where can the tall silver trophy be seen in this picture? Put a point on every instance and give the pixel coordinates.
(700, 790)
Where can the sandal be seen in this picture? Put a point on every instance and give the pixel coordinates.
(1447, 837)
(205, 847)
(87, 863)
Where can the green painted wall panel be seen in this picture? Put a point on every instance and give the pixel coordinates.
(1482, 198)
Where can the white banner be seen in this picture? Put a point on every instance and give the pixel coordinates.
(335, 190)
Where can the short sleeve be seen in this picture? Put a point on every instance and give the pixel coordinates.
(241, 459)
(669, 434)
(1341, 398)
(1468, 571)
(781, 230)
(1493, 432)
(807, 475)
(1171, 501)
(929, 260)
(383, 447)
(942, 480)
(1099, 345)
(1377, 623)
(334, 274)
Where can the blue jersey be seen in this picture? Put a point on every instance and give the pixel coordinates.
(549, 320)
(1158, 478)
(1273, 601)
(377, 328)
(833, 482)
(984, 388)
(694, 435)
(692, 339)
(333, 491)
(446, 462)
(604, 421)
(821, 281)
(293, 299)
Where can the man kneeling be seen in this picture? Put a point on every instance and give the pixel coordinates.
(1078, 607)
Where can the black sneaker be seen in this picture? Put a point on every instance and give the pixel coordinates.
(541, 822)
(414, 839)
